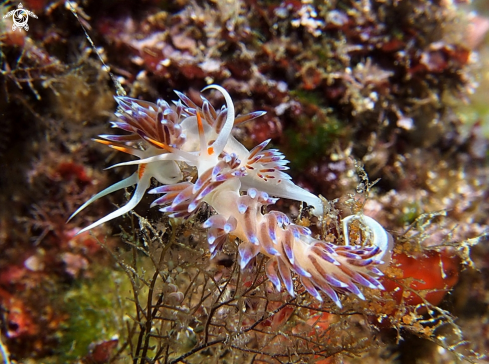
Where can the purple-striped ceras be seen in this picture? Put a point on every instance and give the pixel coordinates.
(236, 183)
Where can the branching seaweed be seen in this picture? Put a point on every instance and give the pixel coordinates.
(189, 309)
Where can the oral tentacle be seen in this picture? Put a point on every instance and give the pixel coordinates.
(128, 182)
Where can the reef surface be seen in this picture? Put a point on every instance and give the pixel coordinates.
(381, 108)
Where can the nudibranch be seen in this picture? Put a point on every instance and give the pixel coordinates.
(237, 183)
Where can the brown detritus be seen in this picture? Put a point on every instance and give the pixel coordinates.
(267, 127)
(101, 352)
(81, 95)
(440, 57)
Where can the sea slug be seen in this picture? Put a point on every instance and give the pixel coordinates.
(237, 183)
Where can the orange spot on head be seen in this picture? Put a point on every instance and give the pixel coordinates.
(210, 150)
(141, 169)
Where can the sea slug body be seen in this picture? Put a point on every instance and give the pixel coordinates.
(237, 183)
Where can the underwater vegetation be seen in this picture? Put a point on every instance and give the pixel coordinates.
(196, 252)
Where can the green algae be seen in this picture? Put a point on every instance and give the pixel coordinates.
(311, 142)
(97, 310)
